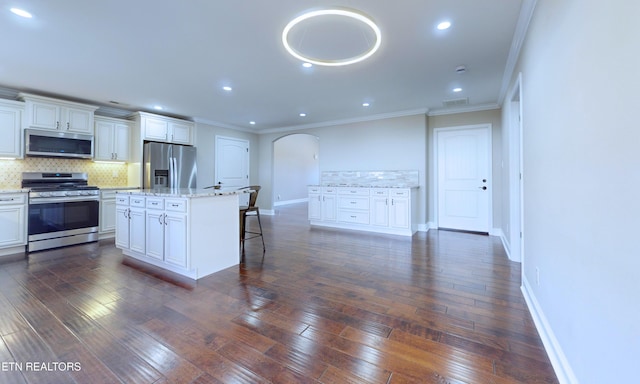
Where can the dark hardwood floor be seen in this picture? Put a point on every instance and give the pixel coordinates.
(322, 305)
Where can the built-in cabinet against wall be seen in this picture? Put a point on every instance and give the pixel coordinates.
(11, 128)
(112, 137)
(322, 203)
(385, 210)
(164, 129)
(56, 115)
(13, 222)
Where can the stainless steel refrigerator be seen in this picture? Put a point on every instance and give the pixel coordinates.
(169, 166)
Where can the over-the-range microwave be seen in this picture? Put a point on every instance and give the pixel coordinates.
(58, 144)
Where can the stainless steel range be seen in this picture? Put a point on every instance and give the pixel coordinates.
(63, 209)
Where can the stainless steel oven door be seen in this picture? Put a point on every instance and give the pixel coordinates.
(54, 223)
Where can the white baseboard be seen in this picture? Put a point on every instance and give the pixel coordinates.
(287, 202)
(551, 345)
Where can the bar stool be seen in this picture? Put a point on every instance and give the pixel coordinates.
(244, 210)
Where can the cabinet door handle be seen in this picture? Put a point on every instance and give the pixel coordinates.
(68, 125)
(165, 219)
(57, 125)
(160, 219)
(10, 199)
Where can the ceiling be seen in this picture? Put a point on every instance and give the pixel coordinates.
(133, 55)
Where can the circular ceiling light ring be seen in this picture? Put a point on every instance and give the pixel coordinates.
(334, 12)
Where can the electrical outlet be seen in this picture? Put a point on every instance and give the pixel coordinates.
(537, 276)
(114, 173)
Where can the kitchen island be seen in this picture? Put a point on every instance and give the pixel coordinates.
(192, 232)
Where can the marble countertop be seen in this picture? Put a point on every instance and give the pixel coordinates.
(14, 190)
(183, 192)
(110, 187)
(365, 185)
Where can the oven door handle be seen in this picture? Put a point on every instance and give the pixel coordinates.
(49, 200)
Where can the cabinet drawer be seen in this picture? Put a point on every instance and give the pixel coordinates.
(349, 202)
(379, 192)
(136, 201)
(329, 190)
(13, 199)
(354, 191)
(122, 200)
(355, 217)
(175, 205)
(107, 195)
(155, 203)
(314, 189)
(400, 193)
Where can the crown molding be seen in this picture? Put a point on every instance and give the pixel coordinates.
(421, 111)
(526, 13)
(468, 108)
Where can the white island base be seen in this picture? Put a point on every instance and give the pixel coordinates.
(193, 233)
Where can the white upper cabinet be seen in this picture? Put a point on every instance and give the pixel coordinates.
(112, 139)
(57, 115)
(11, 128)
(165, 129)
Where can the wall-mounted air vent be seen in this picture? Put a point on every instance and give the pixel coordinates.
(456, 102)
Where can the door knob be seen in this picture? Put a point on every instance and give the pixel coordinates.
(483, 188)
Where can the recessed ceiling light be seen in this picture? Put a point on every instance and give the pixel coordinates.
(227, 88)
(303, 115)
(332, 12)
(444, 25)
(307, 65)
(457, 89)
(365, 104)
(21, 13)
(157, 107)
(252, 122)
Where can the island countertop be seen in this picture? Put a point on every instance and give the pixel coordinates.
(184, 192)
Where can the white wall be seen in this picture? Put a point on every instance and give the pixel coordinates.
(581, 180)
(388, 144)
(295, 165)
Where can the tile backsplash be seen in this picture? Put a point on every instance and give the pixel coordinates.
(100, 174)
(408, 178)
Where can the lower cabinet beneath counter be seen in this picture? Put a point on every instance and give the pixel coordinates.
(381, 210)
(191, 236)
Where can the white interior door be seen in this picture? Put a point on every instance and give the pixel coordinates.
(232, 162)
(463, 157)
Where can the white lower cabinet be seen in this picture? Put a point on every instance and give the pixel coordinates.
(322, 203)
(384, 210)
(167, 230)
(13, 220)
(191, 235)
(107, 225)
(379, 207)
(130, 223)
(400, 209)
